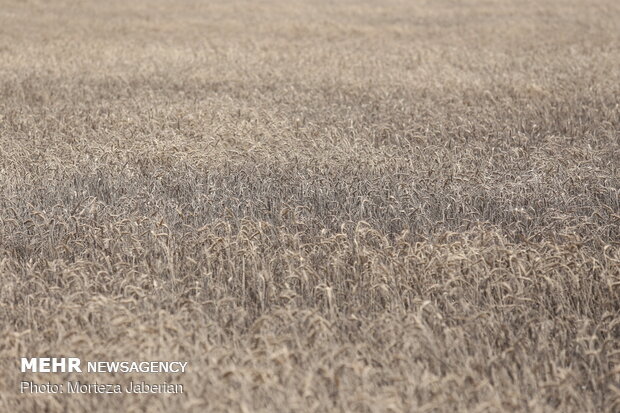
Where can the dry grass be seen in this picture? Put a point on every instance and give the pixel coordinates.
(322, 206)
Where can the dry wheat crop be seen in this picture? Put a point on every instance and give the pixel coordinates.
(369, 206)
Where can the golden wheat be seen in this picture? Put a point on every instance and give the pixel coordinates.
(395, 206)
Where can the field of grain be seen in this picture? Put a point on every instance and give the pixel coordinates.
(352, 206)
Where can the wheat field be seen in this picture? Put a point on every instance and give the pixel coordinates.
(352, 206)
